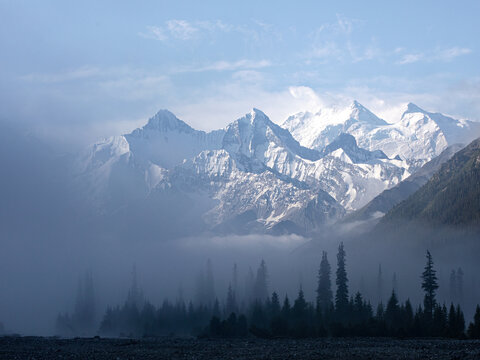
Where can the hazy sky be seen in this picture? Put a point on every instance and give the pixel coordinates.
(79, 70)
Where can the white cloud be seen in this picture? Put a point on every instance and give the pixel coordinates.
(226, 66)
(411, 58)
(443, 55)
(181, 29)
(184, 30)
(154, 32)
(345, 24)
(450, 54)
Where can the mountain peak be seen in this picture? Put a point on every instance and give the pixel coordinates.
(164, 120)
(412, 108)
(256, 115)
(356, 105)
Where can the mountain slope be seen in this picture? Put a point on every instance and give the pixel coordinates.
(387, 199)
(451, 196)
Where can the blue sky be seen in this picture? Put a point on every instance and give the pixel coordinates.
(76, 71)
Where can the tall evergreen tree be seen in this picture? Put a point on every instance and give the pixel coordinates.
(380, 284)
(429, 285)
(453, 286)
(249, 286)
(460, 286)
(135, 295)
(324, 289)
(341, 296)
(231, 304)
(274, 305)
(235, 280)
(395, 283)
(209, 284)
(392, 312)
(474, 327)
(261, 288)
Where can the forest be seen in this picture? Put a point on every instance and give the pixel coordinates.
(266, 315)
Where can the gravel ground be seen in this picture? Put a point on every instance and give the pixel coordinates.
(180, 348)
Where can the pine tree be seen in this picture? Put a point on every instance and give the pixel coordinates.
(474, 328)
(392, 312)
(249, 286)
(430, 286)
(231, 305)
(380, 284)
(235, 280)
(261, 289)
(274, 305)
(341, 296)
(324, 289)
(453, 286)
(209, 285)
(395, 283)
(135, 295)
(460, 286)
(299, 305)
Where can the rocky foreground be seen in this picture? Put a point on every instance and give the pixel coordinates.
(188, 348)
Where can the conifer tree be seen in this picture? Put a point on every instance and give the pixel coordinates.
(395, 283)
(460, 286)
(324, 289)
(274, 305)
(392, 318)
(209, 285)
(474, 327)
(261, 289)
(341, 296)
(429, 285)
(249, 286)
(231, 305)
(453, 286)
(235, 280)
(380, 284)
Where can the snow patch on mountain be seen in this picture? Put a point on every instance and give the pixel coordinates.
(417, 137)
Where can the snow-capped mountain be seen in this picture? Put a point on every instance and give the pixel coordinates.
(251, 175)
(417, 137)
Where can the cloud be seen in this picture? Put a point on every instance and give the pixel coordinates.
(154, 32)
(450, 54)
(410, 58)
(226, 66)
(442, 55)
(181, 29)
(333, 42)
(184, 30)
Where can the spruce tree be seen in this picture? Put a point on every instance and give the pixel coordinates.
(430, 286)
(460, 286)
(231, 304)
(341, 296)
(260, 288)
(209, 285)
(474, 327)
(392, 316)
(453, 286)
(324, 289)
(274, 305)
(380, 284)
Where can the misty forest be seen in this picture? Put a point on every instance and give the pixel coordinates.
(254, 310)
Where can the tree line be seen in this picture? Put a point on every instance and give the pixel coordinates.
(263, 315)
